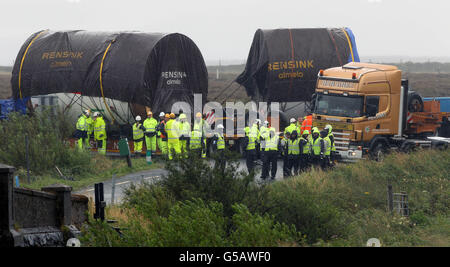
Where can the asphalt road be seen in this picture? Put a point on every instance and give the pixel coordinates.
(123, 182)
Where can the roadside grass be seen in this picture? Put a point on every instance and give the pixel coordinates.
(101, 168)
(196, 205)
(358, 193)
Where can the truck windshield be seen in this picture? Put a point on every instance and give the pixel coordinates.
(340, 106)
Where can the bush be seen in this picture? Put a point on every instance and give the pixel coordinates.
(196, 178)
(46, 134)
(293, 203)
(192, 223)
(255, 231)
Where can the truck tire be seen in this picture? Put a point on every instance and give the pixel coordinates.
(379, 152)
(240, 147)
(415, 102)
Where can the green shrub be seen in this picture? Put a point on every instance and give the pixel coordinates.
(47, 148)
(150, 200)
(197, 178)
(192, 223)
(255, 231)
(296, 204)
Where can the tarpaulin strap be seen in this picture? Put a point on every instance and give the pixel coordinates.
(23, 59)
(349, 44)
(335, 46)
(293, 54)
(101, 82)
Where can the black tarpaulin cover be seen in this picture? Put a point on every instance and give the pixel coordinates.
(152, 69)
(283, 64)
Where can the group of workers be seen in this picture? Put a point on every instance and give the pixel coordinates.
(302, 146)
(173, 135)
(87, 126)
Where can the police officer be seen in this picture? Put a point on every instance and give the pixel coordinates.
(161, 137)
(270, 164)
(173, 141)
(218, 139)
(330, 135)
(305, 150)
(198, 136)
(251, 136)
(82, 129)
(293, 155)
(292, 127)
(100, 133)
(264, 132)
(317, 148)
(138, 135)
(150, 125)
(195, 142)
(90, 129)
(185, 133)
(327, 150)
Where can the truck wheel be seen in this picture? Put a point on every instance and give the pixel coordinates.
(415, 102)
(240, 148)
(379, 152)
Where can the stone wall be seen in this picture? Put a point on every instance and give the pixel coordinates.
(38, 218)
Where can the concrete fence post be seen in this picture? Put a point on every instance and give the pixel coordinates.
(63, 202)
(8, 235)
(390, 199)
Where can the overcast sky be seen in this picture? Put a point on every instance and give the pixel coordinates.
(224, 29)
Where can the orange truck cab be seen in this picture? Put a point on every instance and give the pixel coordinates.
(370, 111)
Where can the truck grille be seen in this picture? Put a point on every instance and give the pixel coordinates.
(341, 140)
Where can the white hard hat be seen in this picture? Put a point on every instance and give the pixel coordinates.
(96, 114)
(293, 120)
(87, 112)
(220, 126)
(138, 118)
(162, 114)
(266, 123)
(257, 121)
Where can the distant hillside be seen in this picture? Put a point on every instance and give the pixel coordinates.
(5, 69)
(5, 85)
(428, 78)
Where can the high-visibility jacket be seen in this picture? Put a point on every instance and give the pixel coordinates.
(305, 146)
(185, 128)
(291, 128)
(200, 127)
(327, 144)
(195, 141)
(198, 131)
(99, 129)
(138, 133)
(162, 132)
(272, 143)
(264, 132)
(172, 131)
(81, 123)
(250, 133)
(317, 147)
(331, 137)
(307, 124)
(150, 125)
(294, 147)
(220, 141)
(90, 125)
